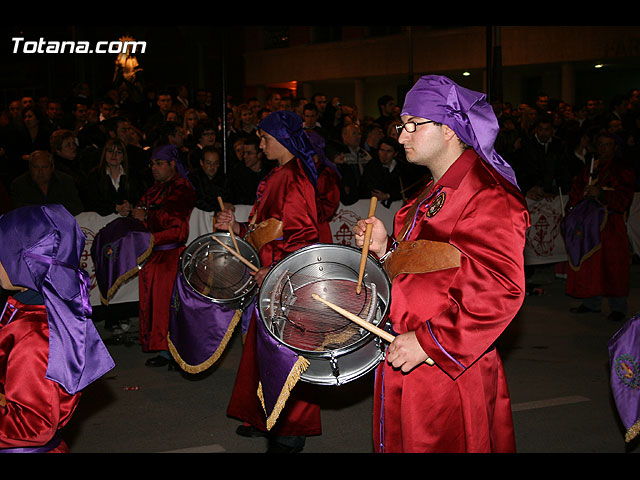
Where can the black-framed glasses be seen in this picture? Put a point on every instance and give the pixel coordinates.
(410, 127)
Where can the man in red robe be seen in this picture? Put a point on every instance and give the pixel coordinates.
(457, 269)
(604, 269)
(288, 195)
(49, 348)
(165, 210)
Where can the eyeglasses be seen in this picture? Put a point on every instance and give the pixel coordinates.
(410, 127)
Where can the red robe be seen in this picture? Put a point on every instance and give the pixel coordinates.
(169, 206)
(606, 272)
(461, 404)
(288, 195)
(328, 200)
(34, 408)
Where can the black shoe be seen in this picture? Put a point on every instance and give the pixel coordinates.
(249, 431)
(616, 316)
(583, 309)
(173, 365)
(157, 361)
(276, 447)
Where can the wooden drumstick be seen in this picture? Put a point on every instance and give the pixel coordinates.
(364, 324)
(236, 254)
(230, 227)
(365, 247)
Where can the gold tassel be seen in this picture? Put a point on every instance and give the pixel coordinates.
(214, 357)
(294, 375)
(127, 275)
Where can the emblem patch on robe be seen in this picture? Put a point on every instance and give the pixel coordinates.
(436, 205)
(627, 370)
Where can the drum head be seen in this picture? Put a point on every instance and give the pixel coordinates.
(214, 272)
(293, 317)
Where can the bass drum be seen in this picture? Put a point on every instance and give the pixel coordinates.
(213, 272)
(338, 350)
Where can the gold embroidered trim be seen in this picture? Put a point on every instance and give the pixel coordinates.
(127, 275)
(214, 357)
(632, 432)
(294, 375)
(3, 400)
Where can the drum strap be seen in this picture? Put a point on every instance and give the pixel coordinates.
(421, 256)
(264, 232)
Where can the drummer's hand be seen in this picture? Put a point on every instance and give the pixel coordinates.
(259, 275)
(378, 243)
(124, 208)
(138, 213)
(226, 218)
(405, 352)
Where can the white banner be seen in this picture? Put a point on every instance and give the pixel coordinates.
(544, 243)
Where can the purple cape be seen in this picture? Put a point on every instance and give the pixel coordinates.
(280, 369)
(624, 361)
(41, 250)
(117, 251)
(581, 228)
(466, 112)
(199, 329)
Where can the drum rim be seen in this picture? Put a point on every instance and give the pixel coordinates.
(246, 297)
(338, 352)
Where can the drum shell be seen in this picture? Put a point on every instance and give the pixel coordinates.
(243, 298)
(347, 363)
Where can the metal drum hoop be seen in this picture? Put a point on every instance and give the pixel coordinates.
(243, 292)
(361, 356)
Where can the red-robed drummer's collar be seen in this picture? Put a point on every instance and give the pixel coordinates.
(456, 172)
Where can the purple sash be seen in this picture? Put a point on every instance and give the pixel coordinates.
(199, 329)
(47, 447)
(581, 229)
(280, 369)
(624, 361)
(117, 251)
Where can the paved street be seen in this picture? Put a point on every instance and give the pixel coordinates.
(556, 363)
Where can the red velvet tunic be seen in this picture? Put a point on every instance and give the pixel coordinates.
(606, 272)
(169, 207)
(462, 403)
(288, 195)
(328, 200)
(34, 408)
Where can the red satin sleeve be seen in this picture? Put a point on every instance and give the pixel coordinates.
(290, 197)
(35, 407)
(486, 291)
(328, 194)
(170, 223)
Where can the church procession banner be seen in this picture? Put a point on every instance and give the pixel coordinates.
(544, 242)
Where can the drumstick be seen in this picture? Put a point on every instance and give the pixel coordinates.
(230, 227)
(364, 324)
(365, 247)
(236, 254)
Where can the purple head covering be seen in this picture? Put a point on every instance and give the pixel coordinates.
(465, 111)
(41, 250)
(318, 143)
(286, 127)
(170, 154)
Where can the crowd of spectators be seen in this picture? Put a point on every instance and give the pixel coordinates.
(92, 154)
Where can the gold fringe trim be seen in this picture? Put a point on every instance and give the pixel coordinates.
(214, 357)
(294, 375)
(127, 275)
(632, 432)
(594, 250)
